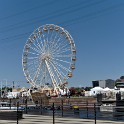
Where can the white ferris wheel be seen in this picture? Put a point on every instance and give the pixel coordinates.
(49, 57)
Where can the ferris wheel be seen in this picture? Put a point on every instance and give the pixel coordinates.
(49, 57)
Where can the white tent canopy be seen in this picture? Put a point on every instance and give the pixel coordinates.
(107, 89)
(96, 90)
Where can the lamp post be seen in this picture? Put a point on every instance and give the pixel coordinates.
(1, 89)
(5, 86)
(13, 85)
(5, 82)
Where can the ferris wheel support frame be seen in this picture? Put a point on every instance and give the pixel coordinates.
(52, 77)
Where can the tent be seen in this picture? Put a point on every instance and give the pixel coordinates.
(96, 90)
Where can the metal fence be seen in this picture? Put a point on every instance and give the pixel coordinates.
(84, 110)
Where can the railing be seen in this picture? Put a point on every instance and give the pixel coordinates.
(83, 110)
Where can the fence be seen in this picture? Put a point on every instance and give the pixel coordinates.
(83, 110)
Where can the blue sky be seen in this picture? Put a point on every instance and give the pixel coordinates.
(97, 27)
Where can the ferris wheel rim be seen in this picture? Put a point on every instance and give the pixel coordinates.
(71, 41)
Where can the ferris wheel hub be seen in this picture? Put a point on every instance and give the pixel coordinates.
(45, 56)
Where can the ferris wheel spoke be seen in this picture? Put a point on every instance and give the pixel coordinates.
(62, 46)
(32, 57)
(62, 40)
(48, 43)
(60, 50)
(63, 56)
(38, 44)
(52, 34)
(57, 72)
(33, 53)
(38, 51)
(63, 52)
(60, 76)
(41, 77)
(44, 39)
(31, 65)
(32, 69)
(57, 38)
(55, 46)
(34, 61)
(62, 61)
(48, 33)
(58, 46)
(60, 71)
(51, 46)
(44, 45)
(60, 65)
(37, 72)
(40, 41)
(54, 41)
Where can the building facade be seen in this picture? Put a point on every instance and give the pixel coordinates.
(104, 83)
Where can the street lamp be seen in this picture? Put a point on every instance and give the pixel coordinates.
(1, 89)
(4, 80)
(5, 86)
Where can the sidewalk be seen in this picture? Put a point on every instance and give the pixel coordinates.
(40, 119)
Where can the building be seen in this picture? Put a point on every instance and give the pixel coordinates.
(104, 83)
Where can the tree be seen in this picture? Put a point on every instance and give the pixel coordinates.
(87, 88)
(122, 77)
(72, 91)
